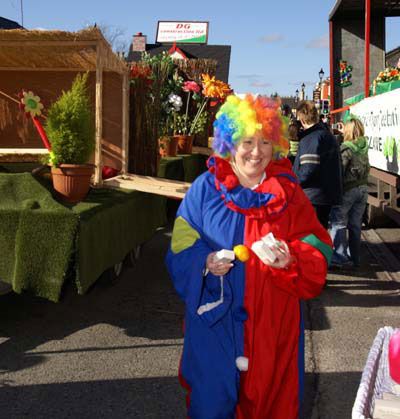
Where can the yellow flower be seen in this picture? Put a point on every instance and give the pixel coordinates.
(32, 104)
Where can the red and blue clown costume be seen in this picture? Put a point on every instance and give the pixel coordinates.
(260, 316)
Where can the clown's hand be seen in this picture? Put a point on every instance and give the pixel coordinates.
(272, 252)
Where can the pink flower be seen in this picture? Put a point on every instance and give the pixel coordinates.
(190, 86)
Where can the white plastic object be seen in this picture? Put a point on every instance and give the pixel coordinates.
(224, 256)
(242, 363)
(263, 248)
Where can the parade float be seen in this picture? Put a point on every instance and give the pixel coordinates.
(46, 237)
(361, 84)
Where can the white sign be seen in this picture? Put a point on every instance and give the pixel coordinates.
(381, 118)
(182, 32)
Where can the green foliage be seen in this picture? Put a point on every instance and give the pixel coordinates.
(70, 125)
(198, 127)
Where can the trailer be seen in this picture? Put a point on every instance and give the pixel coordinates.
(357, 41)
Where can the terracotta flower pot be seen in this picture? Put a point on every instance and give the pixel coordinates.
(72, 181)
(168, 146)
(185, 144)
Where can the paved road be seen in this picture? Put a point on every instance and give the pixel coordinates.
(114, 352)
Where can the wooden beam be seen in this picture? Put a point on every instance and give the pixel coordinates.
(389, 178)
(125, 122)
(331, 68)
(367, 45)
(54, 44)
(158, 186)
(76, 69)
(99, 116)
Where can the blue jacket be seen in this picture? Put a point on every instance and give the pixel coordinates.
(318, 166)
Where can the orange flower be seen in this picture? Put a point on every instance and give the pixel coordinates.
(394, 72)
(215, 88)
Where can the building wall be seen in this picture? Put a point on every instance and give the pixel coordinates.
(392, 57)
(348, 44)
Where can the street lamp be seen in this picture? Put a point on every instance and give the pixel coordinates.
(303, 86)
(321, 76)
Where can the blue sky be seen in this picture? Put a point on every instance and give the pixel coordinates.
(276, 45)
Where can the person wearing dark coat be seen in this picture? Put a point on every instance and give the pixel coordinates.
(318, 163)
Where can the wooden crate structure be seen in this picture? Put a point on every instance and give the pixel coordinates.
(46, 62)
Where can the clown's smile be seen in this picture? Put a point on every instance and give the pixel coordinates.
(252, 157)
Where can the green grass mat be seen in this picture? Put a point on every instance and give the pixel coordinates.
(40, 237)
(36, 236)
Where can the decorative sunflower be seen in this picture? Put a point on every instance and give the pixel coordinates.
(31, 104)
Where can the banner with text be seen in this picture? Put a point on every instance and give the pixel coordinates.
(186, 32)
(381, 118)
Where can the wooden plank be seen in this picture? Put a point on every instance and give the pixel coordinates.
(99, 116)
(125, 122)
(202, 150)
(158, 186)
(21, 151)
(375, 202)
(56, 43)
(386, 177)
(66, 69)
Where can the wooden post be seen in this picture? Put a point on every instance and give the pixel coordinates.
(125, 122)
(331, 68)
(99, 115)
(367, 44)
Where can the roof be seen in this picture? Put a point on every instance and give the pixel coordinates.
(24, 50)
(9, 24)
(220, 53)
(290, 101)
(356, 8)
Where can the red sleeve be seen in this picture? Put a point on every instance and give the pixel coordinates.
(311, 246)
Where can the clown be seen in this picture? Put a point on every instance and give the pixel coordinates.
(243, 346)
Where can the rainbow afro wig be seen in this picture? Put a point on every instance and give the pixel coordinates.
(243, 118)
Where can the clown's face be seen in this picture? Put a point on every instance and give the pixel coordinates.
(252, 157)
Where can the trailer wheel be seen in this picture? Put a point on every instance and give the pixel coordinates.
(110, 275)
(132, 256)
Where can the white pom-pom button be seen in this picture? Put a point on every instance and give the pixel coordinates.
(242, 363)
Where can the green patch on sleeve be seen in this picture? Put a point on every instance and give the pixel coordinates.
(324, 248)
(183, 236)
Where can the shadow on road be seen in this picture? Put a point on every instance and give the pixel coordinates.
(132, 398)
(142, 302)
(324, 403)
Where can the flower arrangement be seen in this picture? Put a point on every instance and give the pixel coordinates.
(389, 74)
(212, 89)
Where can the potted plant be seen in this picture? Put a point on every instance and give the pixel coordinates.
(71, 132)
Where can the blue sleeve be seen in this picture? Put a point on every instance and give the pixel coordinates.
(308, 161)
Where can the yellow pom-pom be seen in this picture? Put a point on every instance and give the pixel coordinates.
(242, 252)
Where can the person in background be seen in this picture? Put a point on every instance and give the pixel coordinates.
(243, 352)
(347, 218)
(318, 164)
(293, 137)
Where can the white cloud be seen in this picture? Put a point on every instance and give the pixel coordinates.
(299, 83)
(40, 29)
(271, 38)
(248, 76)
(319, 42)
(259, 83)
